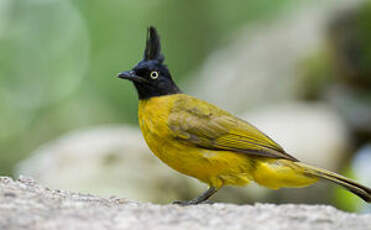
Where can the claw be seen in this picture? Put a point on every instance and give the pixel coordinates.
(190, 202)
(184, 203)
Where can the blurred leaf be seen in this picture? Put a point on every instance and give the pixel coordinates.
(344, 199)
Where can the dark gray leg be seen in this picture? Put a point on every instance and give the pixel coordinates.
(203, 197)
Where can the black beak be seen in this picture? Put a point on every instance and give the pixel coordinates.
(131, 76)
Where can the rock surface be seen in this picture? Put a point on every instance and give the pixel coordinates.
(106, 160)
(26, 205)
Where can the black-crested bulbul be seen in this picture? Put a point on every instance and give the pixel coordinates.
(201, 140)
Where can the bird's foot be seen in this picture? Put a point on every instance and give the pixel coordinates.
(191, 202)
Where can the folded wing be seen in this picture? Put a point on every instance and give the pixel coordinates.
(199, 123)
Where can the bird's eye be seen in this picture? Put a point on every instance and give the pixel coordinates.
(154, 74)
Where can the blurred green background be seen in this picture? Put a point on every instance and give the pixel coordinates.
(62, 56)
(59, 59)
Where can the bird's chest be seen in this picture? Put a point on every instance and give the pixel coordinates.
(153, 116)
(206, 165)
(153, 120)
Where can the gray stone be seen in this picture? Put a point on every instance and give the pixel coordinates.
(107, 160)
(25, 204)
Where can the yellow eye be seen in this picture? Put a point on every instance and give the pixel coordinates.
(154, 74)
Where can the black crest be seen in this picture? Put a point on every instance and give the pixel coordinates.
(153, 46)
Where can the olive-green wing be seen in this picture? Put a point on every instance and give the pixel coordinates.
(199, 123)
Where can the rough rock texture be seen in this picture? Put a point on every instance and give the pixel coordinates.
(27, 205)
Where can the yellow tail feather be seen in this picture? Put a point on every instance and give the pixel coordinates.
(354, 187)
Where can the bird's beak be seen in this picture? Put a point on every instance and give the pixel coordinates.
(131, 76)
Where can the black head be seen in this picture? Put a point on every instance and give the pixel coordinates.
(150, 76)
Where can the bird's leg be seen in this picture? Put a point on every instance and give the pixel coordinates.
(203, 197)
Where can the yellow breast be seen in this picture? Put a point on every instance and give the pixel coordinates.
(209, 166)
(153, 114)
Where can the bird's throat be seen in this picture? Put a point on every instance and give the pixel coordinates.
(146, 91)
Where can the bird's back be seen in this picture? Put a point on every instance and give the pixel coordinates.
(205, 125)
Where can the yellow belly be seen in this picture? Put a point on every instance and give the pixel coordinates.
(216, 168)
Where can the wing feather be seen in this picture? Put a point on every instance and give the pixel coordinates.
(197, 122)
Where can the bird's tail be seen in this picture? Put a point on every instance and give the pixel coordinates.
(354, 187)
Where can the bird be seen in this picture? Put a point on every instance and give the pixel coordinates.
(200, 140)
